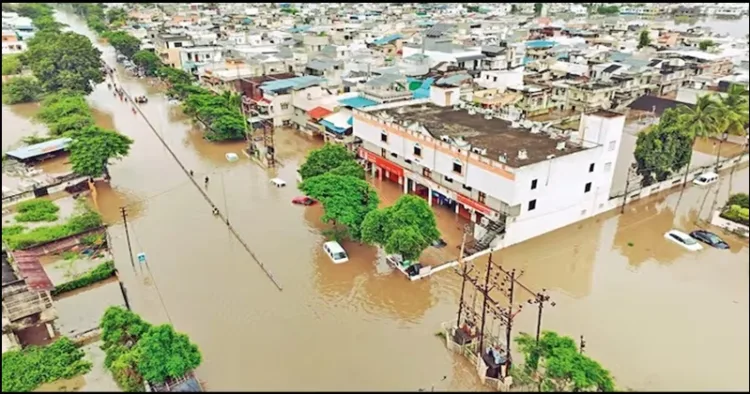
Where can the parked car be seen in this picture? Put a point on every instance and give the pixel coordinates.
(683, 240)
(706, 179)
(303, 200)
(709, 238)
(336, 252)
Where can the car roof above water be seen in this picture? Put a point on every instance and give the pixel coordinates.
(334, 247)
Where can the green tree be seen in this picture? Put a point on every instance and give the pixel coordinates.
(64, 61)
(121, 326)
(555, 364)
(644, 39)
(124, 43)
(164, 353)
(740, 199)
(513, 9)
(733, 110)
(406, 228)
(703, 120)
(48, 23)
(608, 10)
(705, 44)
(664, 149)
(21, 90)
(327, 158)
(64, 111)
(93, 148)
(12, 64)
(538, 8)
(174, 76)
(27, 369)
(117, 16)
(148, 61)
(346, 200)
(349, 168)
(227, 127)
(34, 10)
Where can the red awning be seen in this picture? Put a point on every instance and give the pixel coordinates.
(318, 113)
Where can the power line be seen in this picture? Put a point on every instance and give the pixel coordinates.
(203, 193)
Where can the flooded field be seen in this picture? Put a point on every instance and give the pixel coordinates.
(644, 305)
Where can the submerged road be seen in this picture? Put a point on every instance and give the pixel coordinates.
(657, 316)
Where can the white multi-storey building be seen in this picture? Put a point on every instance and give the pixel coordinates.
(515, 183)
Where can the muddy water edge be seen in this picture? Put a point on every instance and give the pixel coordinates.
(354, 326)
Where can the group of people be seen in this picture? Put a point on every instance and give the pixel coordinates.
(118, 91)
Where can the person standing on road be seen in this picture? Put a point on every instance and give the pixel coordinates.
(205, 181)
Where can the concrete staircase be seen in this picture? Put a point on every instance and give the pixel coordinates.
(494, 229)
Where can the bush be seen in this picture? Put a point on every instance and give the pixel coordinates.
(9, 231)
(737, 214)
(40, 235)
(741, 199)
(12, 64)
(98, 274)
(25, 370)
(21, 90)
(37, 210)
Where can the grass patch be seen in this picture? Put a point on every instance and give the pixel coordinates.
(75, 225)
(15, 229)
(98, 274)
(37, 210)
(25, 370)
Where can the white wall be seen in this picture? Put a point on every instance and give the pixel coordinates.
(439, 96)
(500, 79)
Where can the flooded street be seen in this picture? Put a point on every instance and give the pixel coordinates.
(658, 317)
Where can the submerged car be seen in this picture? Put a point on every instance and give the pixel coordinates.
(709, 238)
(683, 240)
(303, 200)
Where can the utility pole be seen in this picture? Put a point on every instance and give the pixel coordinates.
(509, 322)
(627, 185)
(124, 294)
(540, 299)
(127, 235)
(464, 276)
(486, 291)
(724, 137)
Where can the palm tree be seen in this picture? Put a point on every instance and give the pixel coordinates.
(700, 121)
(734, 110)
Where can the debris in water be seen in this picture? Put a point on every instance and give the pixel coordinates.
(630, 244)
(231, 157)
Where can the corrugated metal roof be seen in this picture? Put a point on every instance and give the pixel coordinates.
(388, 39)
(454, 80)
(292, 83)
(31, 151)
(31, 269)
(318, 112)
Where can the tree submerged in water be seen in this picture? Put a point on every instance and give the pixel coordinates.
(93, 147)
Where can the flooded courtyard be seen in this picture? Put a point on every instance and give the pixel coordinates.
(657, 316)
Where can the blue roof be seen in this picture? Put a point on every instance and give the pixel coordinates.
(422, 91)
(540, 44)
(27, 152)
(292, 83)
(330, 126)
(357, 102)
(299, 29)
(387, 39)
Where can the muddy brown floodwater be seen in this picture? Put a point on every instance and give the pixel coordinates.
(656, 316)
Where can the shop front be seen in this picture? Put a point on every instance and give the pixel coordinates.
(383, 168)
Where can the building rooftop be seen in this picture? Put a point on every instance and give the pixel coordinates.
(497, 136)
(31, 151)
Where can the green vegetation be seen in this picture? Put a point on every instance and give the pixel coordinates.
(644, 39)
(93, 147)
(407, 227)
(668, 147)
(538, 8)
(137, 351)
(123, 42)
(12, 64)
(21, 90)
(75, 225)
(63, 112)
(37, 210)
(555, 364)
(331, 158)
(705, 44)
(608, 10)
(220, 113)
(25, 370)
(737, 214)
(99, 273)
(346, 201)
(740, 199)
(14, 229)
(117, 16)
(36, 139)
(148, 61)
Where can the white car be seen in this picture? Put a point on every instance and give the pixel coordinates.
(337, 253)
(706, 179)
(278, 182)
(683, 240)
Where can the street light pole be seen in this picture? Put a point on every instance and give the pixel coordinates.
(724, 137)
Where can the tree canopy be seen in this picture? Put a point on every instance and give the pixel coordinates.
(555, 364)
(148, 61)
(12, 64)
(329, 158)
(164, 353)
(644, 39)
(733, 110)
(705, 44)
(64, 61)
(65, 111)
(346, 200)
(663, 150)
(407, 227)
(124, 43)
(93, 147)
(608, 10)
(21, 90)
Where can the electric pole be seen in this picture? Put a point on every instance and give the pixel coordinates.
(127, 235)
(540, 299)
(464, 276)
(486, 291)
(627, 185)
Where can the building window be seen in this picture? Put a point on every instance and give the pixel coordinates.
(607, 166)
(587, 188)
(383, 137)
(481, 197)
(426, 173)
(284, 106)
(417, 150)
(591, 167)
(382, 152)
(532, 205)
(533, 184)
(612, 145)
(394, 155)
(467, 187)
(457, 167)
(448, 179)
